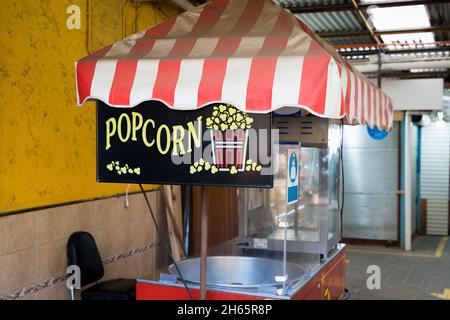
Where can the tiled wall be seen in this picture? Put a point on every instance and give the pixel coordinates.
(33, 244)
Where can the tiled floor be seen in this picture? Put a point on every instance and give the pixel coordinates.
(404, 275)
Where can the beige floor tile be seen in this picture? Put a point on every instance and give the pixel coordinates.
(85, 217)
(55, 223)
(132, 267)
(60, 222)
(139, 206)
(111, 212)
(31, 296)
(57, 292)
(17, 270)
(144, 264)
(51, 259)
(114, 270)
(113, 240)
(140, 232)
(103, 240)
(17, 232)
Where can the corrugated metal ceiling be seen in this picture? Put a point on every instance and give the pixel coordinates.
(333, 21)
(350, 40)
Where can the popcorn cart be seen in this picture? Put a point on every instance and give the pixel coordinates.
(236, 93)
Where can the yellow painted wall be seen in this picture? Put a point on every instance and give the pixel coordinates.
(47, 143)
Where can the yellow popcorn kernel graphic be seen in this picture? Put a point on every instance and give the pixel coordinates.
(126, 169)
(226, 117)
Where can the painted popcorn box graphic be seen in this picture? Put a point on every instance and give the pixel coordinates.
(229, 136)
(229, 149)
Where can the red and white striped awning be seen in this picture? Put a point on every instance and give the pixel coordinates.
(248, 53)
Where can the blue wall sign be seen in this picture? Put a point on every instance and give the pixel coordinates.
(376, 133)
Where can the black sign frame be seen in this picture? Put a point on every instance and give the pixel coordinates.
(134, 156)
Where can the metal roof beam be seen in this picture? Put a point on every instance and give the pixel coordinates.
(363, 20)
(395, 51)
(408, 75)
(357, 33)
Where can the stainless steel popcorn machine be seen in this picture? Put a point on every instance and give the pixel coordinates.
(313, 219)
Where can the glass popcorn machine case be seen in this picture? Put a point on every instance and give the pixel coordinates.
(310, 221)
(287, 233)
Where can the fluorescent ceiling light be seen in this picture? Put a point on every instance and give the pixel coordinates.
(397, 39)
(406, 17)
(428, 70)
(399, 17)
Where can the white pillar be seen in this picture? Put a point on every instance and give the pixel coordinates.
(407, 175)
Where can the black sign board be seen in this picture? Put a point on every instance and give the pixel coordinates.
(215, 145)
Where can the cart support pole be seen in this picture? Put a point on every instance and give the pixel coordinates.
(203, 244)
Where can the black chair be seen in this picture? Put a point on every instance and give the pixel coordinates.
(82, 251)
